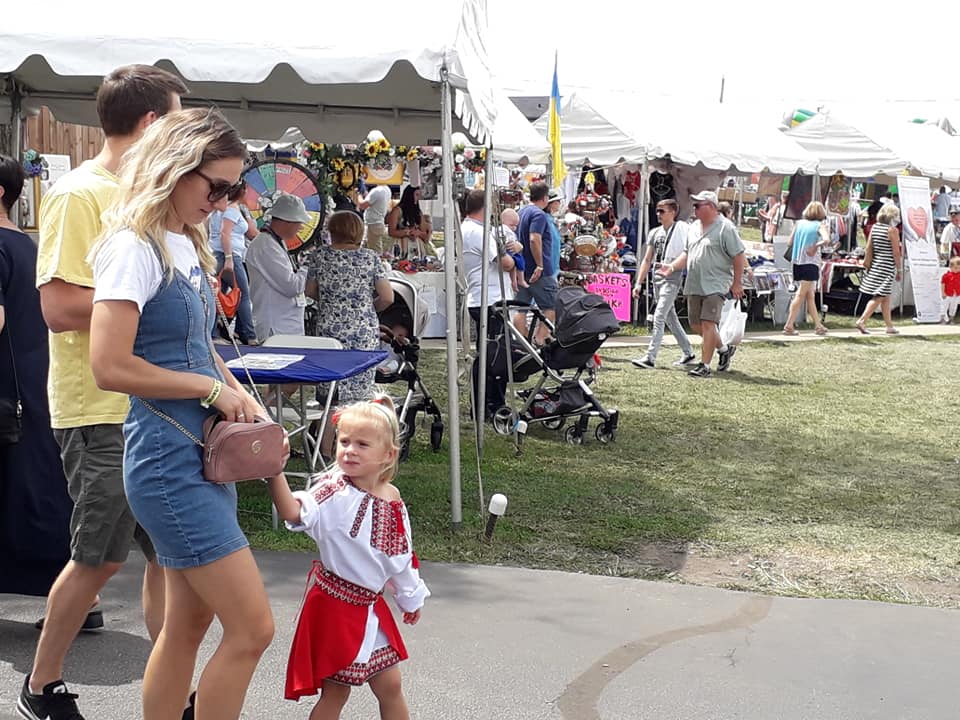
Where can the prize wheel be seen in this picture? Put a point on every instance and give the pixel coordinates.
(268, 178)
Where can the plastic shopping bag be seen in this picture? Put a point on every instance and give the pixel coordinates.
(733, 323)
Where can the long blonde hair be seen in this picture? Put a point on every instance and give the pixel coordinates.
(171, 147)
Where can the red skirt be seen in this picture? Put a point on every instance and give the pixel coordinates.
(329, 634)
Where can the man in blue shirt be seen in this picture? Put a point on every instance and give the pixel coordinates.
(540, 255)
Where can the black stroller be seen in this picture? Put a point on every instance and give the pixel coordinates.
(584, 322)
(400, 326)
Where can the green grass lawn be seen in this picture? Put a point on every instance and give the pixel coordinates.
(823, 469)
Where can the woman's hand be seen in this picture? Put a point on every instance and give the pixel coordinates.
(234, 405)
(251, 408)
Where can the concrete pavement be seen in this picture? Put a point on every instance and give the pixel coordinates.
(498, 643)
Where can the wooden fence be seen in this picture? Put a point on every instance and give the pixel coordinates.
(48, 136)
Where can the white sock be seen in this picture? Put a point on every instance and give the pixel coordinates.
(723, 348)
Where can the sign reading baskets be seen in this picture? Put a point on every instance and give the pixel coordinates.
(615, 289)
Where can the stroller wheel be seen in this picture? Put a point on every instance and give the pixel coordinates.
(554, 423)
(404, 448)
(606, 433)
(436, 434)
(504, 420)
(573, 436)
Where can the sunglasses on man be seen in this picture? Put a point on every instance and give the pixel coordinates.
(219, 188)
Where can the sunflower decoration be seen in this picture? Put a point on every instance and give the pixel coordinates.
(412, 154)
(377, 148)
(337, 164)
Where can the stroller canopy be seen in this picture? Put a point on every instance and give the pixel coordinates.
(582, 316)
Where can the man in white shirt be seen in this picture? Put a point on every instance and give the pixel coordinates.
(951, 233)
(276, 289)
(500, 265)
(664, 245)
(375, 205)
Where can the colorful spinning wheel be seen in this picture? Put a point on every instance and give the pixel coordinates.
(268, 178)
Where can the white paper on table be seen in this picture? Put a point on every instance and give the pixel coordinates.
(265, 361)
(429, 296)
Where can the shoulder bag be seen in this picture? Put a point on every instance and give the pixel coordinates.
(11, 411)
(237, 451)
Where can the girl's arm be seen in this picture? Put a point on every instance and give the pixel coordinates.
(897, 250)
(393, 221)
(226, 239)
(288, 507)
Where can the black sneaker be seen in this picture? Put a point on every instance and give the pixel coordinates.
(700, 370)
(92, 623)
(685, 360)
(54, 703)
(643, 363)
(191, 709)
(724, 358)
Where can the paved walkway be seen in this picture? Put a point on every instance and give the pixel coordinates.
(500, 643)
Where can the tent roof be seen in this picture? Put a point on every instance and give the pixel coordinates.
(325, 77)
(586, 134)
(843, 147)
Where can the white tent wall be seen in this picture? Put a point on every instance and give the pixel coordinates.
(331, 83)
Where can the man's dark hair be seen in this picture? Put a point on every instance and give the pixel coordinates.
(539, 191)
(130, 92)
(474, 202)
(12, 177)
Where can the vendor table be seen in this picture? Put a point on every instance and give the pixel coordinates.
(276, 366)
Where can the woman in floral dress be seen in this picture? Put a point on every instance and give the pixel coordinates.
(350, 285)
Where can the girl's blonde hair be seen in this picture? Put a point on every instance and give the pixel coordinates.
(172, 147)
(381, 412)
(815, 211)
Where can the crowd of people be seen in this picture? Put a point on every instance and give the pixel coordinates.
(105, 453)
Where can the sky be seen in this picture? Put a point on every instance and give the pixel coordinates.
(772, 55)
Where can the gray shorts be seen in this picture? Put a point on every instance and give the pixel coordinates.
(543, 292)
(102, 528)
(705, 308)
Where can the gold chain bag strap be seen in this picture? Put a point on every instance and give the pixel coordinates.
(236, 451)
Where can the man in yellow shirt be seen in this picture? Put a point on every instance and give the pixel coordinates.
(88, 422)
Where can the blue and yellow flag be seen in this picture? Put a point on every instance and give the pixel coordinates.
(553, 133)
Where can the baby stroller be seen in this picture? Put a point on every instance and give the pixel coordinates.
(584, 321)
(400, 326)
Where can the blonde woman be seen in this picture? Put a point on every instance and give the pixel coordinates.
(807, 240)
(883, 264)
(150, 338)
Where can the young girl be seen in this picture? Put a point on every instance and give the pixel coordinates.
(346, 635)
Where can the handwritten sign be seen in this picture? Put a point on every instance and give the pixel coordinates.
(615, 289)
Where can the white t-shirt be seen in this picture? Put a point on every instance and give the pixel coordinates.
(472, 232)
(379, 199)
(127, 268)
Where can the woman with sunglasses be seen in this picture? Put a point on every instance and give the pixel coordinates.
(150, 338)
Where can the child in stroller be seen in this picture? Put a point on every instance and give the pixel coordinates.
(400, 325)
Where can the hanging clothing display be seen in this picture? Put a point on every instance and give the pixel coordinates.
(661, 188)
(801, 192)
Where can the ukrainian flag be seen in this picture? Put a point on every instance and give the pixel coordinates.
(553, 133)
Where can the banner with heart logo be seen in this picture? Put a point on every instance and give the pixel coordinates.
(920, 247)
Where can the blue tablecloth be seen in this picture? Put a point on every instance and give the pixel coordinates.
(317, 365)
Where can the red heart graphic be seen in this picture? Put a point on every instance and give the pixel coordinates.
(917, 217)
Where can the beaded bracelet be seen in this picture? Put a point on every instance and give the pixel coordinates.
(214, 394)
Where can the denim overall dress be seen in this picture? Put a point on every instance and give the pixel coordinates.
(191, 521)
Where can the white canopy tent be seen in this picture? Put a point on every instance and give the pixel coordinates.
(921, 149)
(335, 83)
(587, 134)
(842, 147)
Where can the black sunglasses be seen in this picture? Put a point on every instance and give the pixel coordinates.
(219, 188)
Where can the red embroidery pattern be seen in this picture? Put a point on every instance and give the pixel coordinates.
(387, 533)
(358, 673)
(358, 520)
(328, 487)
(336, 587)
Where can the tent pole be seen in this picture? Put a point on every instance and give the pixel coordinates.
(16, 138)
(480, 402)
(450, 286)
